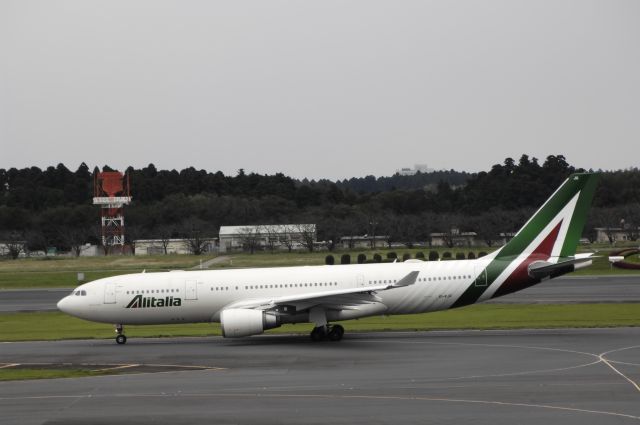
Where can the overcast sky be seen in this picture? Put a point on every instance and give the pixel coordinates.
(319, 89)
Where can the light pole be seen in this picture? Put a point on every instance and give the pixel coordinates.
(373, 224)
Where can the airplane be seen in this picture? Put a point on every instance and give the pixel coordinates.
(249, 301)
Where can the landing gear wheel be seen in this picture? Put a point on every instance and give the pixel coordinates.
(336, 333)
(318, 334)
(120, 337)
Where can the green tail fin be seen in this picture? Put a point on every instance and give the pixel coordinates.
(559, 221)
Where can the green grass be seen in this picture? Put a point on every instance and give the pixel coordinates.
(602, 267)
(55, 325)
(61, 272)
(11, 374)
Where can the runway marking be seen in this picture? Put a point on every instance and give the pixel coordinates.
(194, 367)
(624, 363)
(124, 366)
(331, 396)
(605, 361)
(117, 367)
(600, 358)
(530, 372)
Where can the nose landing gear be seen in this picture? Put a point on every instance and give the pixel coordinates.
(120, 336)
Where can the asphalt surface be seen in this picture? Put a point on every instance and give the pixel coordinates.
(579, 290)
(482, 377)
(16, 300)
(562, 290)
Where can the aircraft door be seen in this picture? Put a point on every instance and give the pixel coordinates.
(110, 293)
(481, 276)
(360, 280)
(191, 290)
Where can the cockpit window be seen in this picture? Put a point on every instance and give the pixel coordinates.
(83, 293)
(79, 293)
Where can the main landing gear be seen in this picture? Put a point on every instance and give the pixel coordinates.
(120, 336)
(330, 332)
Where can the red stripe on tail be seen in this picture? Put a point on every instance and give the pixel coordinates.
(520, 278)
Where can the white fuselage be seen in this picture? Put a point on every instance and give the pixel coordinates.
(200, 296)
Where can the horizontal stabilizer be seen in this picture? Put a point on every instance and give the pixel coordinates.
(544, 269)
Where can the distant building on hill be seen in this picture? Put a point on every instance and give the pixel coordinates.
(418, 168)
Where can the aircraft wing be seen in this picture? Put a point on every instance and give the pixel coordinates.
(339, 298)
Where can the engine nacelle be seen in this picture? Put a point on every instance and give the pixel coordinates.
(237, 322)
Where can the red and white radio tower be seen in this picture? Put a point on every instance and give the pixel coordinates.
(111, 192)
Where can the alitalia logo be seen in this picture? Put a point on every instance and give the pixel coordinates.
(148, 302)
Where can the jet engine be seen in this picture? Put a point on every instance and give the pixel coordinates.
(237, 322)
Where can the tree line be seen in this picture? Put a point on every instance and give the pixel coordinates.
(52, 207)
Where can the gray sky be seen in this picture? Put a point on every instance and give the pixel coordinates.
(319, 89)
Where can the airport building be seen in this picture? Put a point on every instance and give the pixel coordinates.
(616, 234)
(363, 242)
(7, 247)
(454, 238)
(270, 236)
(169, 246)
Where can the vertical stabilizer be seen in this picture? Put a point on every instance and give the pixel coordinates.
(551, 233)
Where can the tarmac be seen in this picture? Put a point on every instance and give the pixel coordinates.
(563, 290)
(569, 376)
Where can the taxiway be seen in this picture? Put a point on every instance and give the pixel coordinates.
(572, 376)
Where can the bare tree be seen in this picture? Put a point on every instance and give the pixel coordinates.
(449, 224)
(351, 226)
(35, 240)
(74, 238)
(331, 233)
(195, 240)
(132, 234)
(13, 242)
(424, 228)
(610, 223)
(390, 229)
(489, 225)
(630, 223)
(165, 233)
(408, 229)
(250, 238)
(271, 234)
(373, 222)
(448, 237)
(287, 239)
(307, 235)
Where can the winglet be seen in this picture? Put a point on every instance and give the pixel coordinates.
(409, 279)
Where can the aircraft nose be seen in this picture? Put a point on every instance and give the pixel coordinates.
(63, 305)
